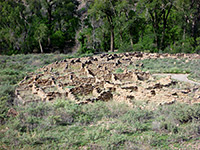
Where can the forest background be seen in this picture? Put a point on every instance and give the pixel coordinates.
(90, 26)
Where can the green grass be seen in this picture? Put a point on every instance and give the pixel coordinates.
(66, 125)
(170, 65)
(14, 69)
(119, 70)
(111, 125)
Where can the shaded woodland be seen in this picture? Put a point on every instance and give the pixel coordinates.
(28, 26)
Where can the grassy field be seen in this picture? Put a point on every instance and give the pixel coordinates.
(66, 125)
(170, 65)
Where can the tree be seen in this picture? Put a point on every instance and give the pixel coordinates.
(11, 26)
(159, 12)
(20, 19)
(104, 11)
(57, 15)
(41, 34)
(127, 21)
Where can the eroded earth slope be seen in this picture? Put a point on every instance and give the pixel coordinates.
(106, 77)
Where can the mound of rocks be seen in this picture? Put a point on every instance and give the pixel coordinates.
(89, 79)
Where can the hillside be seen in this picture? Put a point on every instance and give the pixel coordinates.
(106, 101)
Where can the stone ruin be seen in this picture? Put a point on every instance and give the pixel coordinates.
(89, 79)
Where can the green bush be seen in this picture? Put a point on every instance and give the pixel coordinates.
(119, 70)
(125, 47)
(181, 47)
(3, 108)
(170, 117)
(137, 47)
(197, 50)
(100, 125)
(169, 65)
(58, 39)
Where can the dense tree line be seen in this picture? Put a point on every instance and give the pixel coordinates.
(142, 25)
(99, 25)
(44, 25)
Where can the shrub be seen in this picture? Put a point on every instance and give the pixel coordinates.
(119, 70)
(3, 108)
(197, 50)
(125, 47)
(181, 47)
(171, 117)
(137, 47)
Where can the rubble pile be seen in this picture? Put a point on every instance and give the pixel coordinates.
(89, 79)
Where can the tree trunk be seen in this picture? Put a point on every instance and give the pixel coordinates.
(112, 46)
(184, 32)
(163, 36)
(156, 39)
(49, 10)
(155, 25)
(121, 39)
(131, 39)
(41, 47)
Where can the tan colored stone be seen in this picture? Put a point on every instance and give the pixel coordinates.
(93, 78)
(96, 92)
(132, 87)
(134, 76)
(109, 86)
(89, 73)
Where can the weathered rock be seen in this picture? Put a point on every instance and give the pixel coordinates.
(110, 87)
(168, 102)
(77, 60)
(12, 112)
(90, 79)
(186, 91)
(96, 92)
(134, 76)
(118, 62)
(153, 92)
(130, 87)
(143, 76)
(115, 80)
(88, 62)
(89, 73)
(66, 66)
(72, 61)
(138, 54)
(82, 65)
(105, 96)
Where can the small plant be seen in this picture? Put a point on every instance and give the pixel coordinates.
(119, 70)
(63, 124)
(170, 65)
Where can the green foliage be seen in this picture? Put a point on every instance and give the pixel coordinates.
(13, 70)
(119, 70)
(152, 26)
(137, 47)
(41, 32)
(126, 47)
(85, 47)
(172, 66)
(3, 108)
(24, 23)
(58, 39)
(181, 47)
(101, 125)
